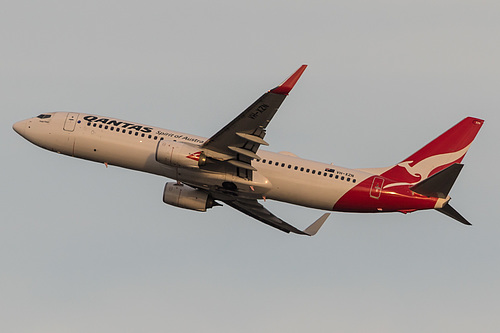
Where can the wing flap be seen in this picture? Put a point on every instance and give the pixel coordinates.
(245, 152)
(241, 164)
(252, 138)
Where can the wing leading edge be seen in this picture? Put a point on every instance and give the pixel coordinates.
(237, 142)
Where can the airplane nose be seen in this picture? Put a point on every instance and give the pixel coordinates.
(19, 127)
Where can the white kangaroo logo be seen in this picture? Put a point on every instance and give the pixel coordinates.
(423, 168)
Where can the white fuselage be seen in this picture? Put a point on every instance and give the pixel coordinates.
(279, 176)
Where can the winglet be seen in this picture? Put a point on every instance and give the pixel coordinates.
(313, 228)
(286, 87)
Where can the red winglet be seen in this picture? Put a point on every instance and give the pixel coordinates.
(286, 87)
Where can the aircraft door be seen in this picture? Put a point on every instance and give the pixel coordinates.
(70, 122)
(376, 189)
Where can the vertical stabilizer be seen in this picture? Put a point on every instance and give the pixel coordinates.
(447, 149)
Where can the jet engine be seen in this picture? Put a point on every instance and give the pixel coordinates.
(186, 197)
(179, 154)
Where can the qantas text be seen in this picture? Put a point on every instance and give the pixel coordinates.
(118, 123)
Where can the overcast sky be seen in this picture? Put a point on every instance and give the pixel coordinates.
(89, 249)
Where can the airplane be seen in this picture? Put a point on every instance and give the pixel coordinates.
(229, 167)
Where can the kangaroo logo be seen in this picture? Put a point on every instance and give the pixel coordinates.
(424, 168)
(194, 156)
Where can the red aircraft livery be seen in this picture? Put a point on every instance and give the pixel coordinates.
(230, 168)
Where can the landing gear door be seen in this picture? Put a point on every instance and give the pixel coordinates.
(70, 122)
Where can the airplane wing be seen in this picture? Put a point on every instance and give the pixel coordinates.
(237, 144)
(254, 209)
(238, 141)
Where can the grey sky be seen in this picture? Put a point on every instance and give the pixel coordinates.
(89, 249)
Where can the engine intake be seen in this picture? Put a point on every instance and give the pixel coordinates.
(186, 197)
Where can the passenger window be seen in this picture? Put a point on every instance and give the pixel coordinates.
(331, 175)
(155, 137)
(307, 170)
(295, 167)
(313, 172)
(302, 169)
(264, 161)
(336, 176)
(354, 180)
(289, 166)
(277, 163)
(130, 132)
(342, 178)
(149, 136)
(142, 135)
(106, 127)
(270, 162)
(100, 126)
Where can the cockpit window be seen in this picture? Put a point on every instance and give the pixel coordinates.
(44, 116)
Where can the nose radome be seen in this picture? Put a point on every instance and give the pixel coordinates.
(19, 127)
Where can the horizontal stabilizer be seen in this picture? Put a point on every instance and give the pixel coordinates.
(451, 212)
(439, 184)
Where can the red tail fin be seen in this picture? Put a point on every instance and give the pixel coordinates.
(447, 149)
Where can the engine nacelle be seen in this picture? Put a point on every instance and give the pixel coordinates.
(186, 197)
(179, 154)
